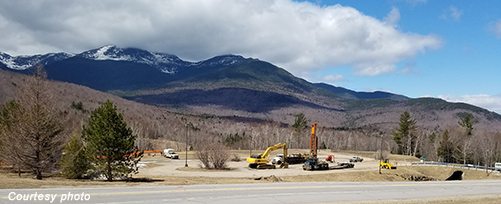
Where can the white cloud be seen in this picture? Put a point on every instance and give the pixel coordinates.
(332, 78)
(374, 69)
(452, 13)
(393, 17)
(489, 102)
(496, 28)
(298, 36)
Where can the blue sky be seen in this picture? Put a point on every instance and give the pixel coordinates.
(467, 65)
(439, 48)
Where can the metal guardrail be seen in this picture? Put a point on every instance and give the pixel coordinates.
(454, 165)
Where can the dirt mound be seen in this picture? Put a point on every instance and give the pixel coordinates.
(271, 178)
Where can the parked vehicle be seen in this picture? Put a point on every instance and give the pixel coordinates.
(278, 159)
(291, 159)
(312, 164)
(170, 153)
(356, 159)
(497, 166)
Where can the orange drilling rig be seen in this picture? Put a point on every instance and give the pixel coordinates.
(312, 163)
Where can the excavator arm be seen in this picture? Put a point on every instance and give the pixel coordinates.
(270, 149)
(255, 161)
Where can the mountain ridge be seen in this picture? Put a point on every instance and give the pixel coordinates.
(112, 52)
(228, 85)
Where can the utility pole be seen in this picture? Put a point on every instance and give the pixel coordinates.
(186, 150)
(188, 126)
(250, 144)
(380, 152)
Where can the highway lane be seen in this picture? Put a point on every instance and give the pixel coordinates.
(321, 192)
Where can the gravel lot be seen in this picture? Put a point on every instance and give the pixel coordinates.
(159, 166)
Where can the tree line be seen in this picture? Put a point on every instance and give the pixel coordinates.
(31, 137)
(463, 144)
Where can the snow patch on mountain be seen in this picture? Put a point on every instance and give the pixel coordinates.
(166, 63)
(25, 62)
(108, 52)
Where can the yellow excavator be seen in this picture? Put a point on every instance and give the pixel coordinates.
(261, 161)
(387, 165)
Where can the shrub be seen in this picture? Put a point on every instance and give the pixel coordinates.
(74, 162)
(213, 156)
(236, 158)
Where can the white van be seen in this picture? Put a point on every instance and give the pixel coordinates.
(497, 166)
(169, 153)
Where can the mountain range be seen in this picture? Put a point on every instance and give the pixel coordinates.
(232, 85)
(133, 69)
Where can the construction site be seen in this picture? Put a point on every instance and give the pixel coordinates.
(158, 166)
(278, 163)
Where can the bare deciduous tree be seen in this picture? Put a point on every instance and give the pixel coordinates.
(467, 121)
(33, 137)
(213, 155)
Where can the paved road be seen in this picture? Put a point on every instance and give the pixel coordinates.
(328, 192)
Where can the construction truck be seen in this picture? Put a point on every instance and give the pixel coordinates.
(312, 163)
(261, 161)
(291, 159)
(387, 165)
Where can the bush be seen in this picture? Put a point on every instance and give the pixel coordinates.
(203, 156)
(77, 106)
(213, 156)
(74, 162)
(236, 158)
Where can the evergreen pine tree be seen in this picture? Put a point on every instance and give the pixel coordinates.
(300, 124)
(404, 135)
(110, 143)
(446, 149)
(466, 121)
(74, 162)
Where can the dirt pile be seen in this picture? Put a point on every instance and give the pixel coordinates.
(271, 178)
